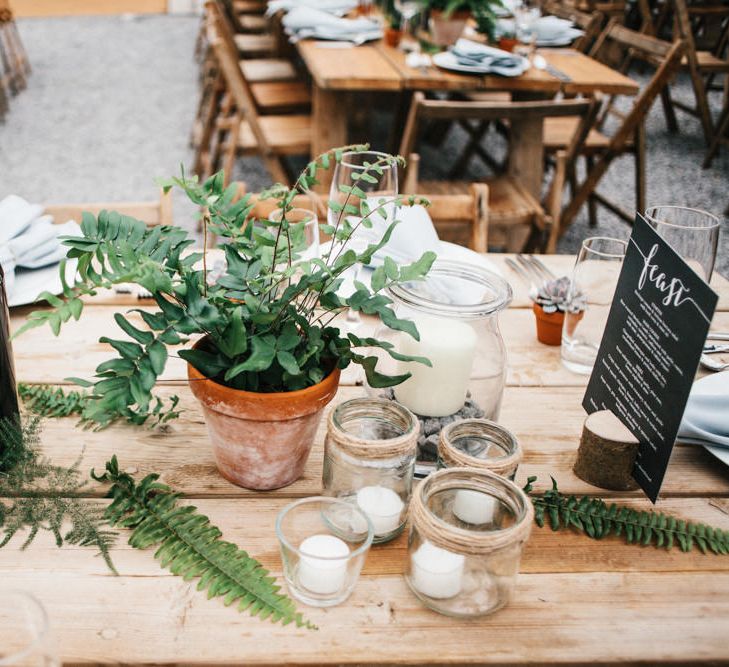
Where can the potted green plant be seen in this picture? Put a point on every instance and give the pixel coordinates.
(551, 302)
(266, 353)
(448, 18)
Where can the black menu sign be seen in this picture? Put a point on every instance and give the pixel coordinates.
(650, 350)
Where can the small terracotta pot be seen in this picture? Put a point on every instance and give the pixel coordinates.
(508, 43)
(446, 31)
(393, 37)
(261, 441)
(549, 325)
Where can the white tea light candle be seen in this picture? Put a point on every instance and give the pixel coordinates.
(383, 507)
(439, 390)
(474, 507)
(323, 564)
(436, 572)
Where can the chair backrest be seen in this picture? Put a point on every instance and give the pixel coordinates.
(460, 217)
(423, 109)
(590, 23)
(643, 47)
(151, 213)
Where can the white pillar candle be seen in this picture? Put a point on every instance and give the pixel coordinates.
(474, 507)
(439, 390)
(323, 564)
(436, 572)
(383, 507)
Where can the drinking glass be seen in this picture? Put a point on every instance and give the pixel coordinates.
(382, 186)
(303, 231)
(589, 296)
(525, 17)
(25, 637)
(408, 9)
(692, 233)
(324, 543)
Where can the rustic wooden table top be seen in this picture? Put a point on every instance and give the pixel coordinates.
(377, 66)
(576, 600)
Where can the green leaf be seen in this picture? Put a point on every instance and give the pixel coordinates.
(263, 352)
(288, 362)
(143, 337)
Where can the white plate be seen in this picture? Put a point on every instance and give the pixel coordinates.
(29, 284)
(354, 37)
(448, 61)
(714, 384)
(565, 39)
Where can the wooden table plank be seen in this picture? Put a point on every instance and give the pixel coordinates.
(557, 618)
(547, 423)
(588, 75)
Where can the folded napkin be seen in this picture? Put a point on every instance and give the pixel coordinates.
(309, 18)
(550, 27)
(706, 419)
(479, 55)
(15, 216)
(414, 235)
(339, 7)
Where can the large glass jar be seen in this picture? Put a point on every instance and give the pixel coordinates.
(369, 459)
(467, 531)
(455, 309)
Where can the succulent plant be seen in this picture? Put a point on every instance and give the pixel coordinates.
(554, 295)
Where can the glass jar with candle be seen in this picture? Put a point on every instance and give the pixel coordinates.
(455, 309)
(324, 543)
(369, 460)
(480, 444)
(468, 528)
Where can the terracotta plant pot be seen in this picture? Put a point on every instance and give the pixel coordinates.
(393, 37)
(261, 441)
(446, 31)
(549, 325)
(508, 43)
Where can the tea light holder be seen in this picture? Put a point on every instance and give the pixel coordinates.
(461, 567)
(369, 460)
(324, 543)
(480, 444)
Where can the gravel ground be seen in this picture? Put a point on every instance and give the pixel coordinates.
(110, 103)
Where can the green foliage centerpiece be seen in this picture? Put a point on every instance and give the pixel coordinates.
(267, 351)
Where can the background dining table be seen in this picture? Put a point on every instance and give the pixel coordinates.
(336, 71)
(577, 600)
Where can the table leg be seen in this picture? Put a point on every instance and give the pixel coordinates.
(329, 124)
(526, 153)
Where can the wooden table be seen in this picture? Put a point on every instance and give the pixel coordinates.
(576, 601)
(336, 72)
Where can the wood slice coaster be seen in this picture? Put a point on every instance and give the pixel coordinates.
(607, 453)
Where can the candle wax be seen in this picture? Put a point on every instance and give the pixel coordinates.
(474, 507)
(440, 390)
(436, 572)
(323, 564)
(383, 507)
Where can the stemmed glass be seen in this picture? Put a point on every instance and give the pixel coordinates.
(408, 9)
(526, 15)
(25, 636)
(692, 233)
(379, 185)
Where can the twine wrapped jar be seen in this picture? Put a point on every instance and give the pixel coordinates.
(467, 531)
(480, 444)
(369, 459)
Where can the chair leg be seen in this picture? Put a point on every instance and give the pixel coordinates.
(668, 111)
(639, 155)
(721, 129)
(591, 203)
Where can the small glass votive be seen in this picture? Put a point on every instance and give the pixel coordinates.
(369, 460)
(302, 232)
(324, 543)
(25, 635)
(468, 528)
(480, 444)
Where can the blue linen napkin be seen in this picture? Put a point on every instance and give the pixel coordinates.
(473, 54)
(706, 419)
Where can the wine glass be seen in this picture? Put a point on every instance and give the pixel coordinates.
(380, 184)
(692, 233)
(525, 18)
(303, 231)
(408, 9)
(25, 636)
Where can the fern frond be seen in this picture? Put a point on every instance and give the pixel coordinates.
(42, 496)
(597, 519)
(189, 546)
(47, 401)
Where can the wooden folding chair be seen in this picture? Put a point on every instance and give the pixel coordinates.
(14, 64)
(721, 135)
(459, 218)
(515, 215)
(151, 213)
(702, 65)
(590, 23)
(600, 149)
(244, 131)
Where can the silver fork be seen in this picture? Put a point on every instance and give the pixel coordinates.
(524, 275)
(535, 268)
